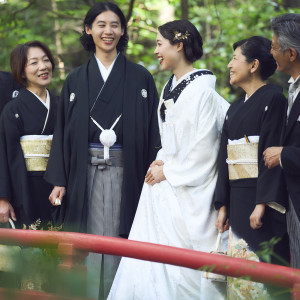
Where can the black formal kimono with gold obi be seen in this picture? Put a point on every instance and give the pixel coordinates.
(27, 191)
(261, 115)
(130, 91)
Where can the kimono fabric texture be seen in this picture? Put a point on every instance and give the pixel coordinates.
(26, 190)
(178, 211)
(104, 197)
(261, 120)
(137, 131)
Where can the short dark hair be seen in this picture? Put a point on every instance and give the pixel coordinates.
(100, 7)
(18, 59)
(287, 29)
(184, 31)
(258, 47)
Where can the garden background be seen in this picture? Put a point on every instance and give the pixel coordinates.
(59, 24)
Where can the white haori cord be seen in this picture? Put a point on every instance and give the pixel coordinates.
(108, 136)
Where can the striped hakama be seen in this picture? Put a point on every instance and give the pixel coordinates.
(293, 228)
(104, 197)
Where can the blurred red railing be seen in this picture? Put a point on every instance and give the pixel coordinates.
(74, 247)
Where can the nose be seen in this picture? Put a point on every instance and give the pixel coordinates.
(229, 64)
(107, 29)
(155, 50)
(42, 65)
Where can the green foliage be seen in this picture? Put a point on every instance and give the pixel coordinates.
(267, 251)
(58, 23)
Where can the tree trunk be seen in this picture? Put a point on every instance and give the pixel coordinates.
(184, 9)
(61, 65)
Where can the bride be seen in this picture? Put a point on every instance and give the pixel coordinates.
(175, 207)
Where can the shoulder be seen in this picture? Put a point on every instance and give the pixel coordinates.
(137, 69)
(76, 73)
(11, 107)
(271, 91)
(5, 76)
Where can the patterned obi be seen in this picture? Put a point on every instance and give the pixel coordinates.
(242, 161)
(36, 149)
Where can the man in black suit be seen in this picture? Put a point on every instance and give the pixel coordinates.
(8, 88)
(286, 52)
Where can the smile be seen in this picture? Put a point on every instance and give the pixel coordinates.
(44, 75)
(109, 40)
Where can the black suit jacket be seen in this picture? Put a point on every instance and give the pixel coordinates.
(290, 155)
(7, 88)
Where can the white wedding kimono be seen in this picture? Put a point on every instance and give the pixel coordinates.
(178, 211)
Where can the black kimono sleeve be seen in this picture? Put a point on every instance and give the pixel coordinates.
(290, 160)
(154, 137)
(222, 191)
(270, 187)
(56, 171)
(12, 163)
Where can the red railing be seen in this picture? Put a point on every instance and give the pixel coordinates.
(74, 247)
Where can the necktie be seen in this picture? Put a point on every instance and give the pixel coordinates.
(292, 90)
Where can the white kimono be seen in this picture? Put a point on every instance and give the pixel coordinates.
(178, 211)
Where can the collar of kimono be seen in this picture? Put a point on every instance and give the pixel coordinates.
(175, 93)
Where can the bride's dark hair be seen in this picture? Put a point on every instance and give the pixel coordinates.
(184, 31)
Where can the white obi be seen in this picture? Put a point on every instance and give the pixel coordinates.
(36, 149)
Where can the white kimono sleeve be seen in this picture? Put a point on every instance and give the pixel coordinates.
(195, 161)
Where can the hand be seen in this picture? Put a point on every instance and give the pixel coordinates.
(157, 163)
(6, 211)
(256, 216)
(272, 156)
(57, 195)
(155, 175)
(222, 223)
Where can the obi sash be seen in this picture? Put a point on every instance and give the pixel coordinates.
(242, 161)
(36, 149)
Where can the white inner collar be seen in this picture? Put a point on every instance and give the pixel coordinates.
(105, 72)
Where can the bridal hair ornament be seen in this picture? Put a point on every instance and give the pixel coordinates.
(180, 36)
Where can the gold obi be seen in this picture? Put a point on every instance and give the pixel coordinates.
(36, 149)
(242, 161)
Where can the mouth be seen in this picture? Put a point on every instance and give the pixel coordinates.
(107, 40)
(44, 75)
(160, 58)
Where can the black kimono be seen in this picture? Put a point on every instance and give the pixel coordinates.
(129, 90)
(27, 191)
(8, 88)
(261, 115)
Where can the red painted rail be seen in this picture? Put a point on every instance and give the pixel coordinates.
(69, 243)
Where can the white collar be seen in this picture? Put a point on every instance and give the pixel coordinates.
(291, 80)
(47, 103)
(105, 72)
(176, 82)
